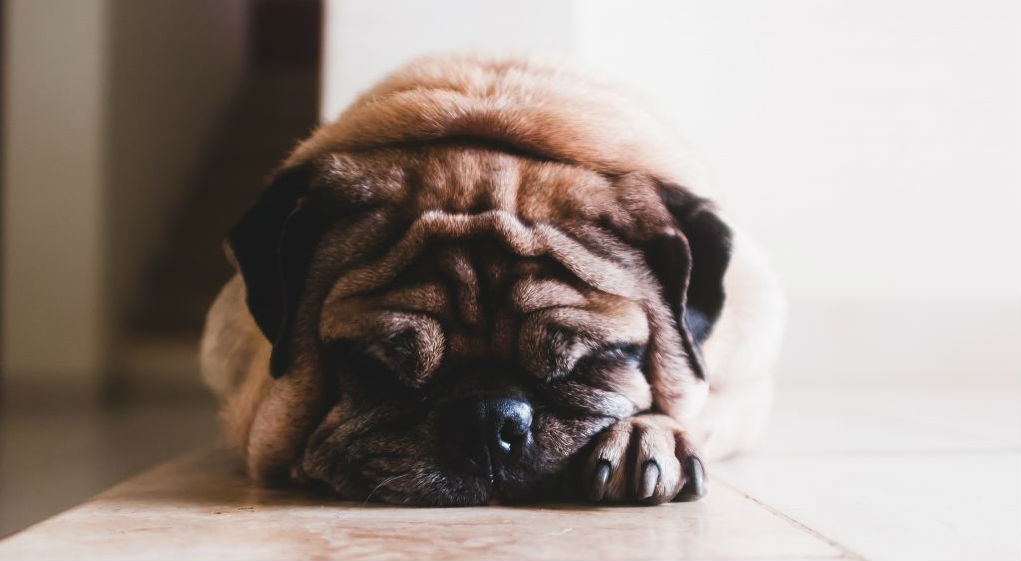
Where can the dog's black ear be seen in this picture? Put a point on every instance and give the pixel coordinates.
(272, 247)
(690, 263)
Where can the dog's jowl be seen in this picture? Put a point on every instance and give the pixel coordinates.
(491, 281)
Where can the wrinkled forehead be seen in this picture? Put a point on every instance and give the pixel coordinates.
(483, 285)
(473, 269)
(533, 232)
(604, 270)
(413, 181)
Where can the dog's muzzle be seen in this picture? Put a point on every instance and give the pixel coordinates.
(488, 434)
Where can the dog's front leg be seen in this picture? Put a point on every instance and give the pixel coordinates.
(645, 459)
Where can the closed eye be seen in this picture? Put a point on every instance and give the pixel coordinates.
(358, 358)
(397, 352)
(612, 355)
(621, 352)
(398, 357)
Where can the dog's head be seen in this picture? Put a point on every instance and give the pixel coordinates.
(462, 317)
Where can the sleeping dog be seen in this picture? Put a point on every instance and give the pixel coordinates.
(491, 281)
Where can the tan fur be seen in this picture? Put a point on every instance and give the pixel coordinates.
(740, 354)
(606, 153)
(537, 105)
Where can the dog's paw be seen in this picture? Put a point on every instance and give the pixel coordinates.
(645, 459)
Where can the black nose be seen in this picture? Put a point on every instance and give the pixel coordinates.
(488, 432)
(509, 423)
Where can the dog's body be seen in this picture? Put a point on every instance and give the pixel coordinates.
(513, 238)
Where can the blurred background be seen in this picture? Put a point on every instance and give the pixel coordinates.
(871, 146)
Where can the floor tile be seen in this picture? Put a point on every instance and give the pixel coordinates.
(896, 506)
(51, 460)
(201, 506)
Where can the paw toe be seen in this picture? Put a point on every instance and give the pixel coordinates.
(643, 460)
(695, 486)
(599, 481)
(648, 481)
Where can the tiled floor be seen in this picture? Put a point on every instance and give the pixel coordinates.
(201, 507)
(55, 456)
(895, 472)
(843, 472)
(911, 450)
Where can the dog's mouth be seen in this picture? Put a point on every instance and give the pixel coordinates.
(496, 480)
(520, 488)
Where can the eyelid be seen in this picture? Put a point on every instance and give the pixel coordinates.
(628, 350)
(622, 350)
(410, 349)
(617, 353)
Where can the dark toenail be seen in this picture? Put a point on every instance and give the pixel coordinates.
(694, 480)
(650, 477)
(600, 476)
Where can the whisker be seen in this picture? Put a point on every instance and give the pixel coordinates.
(386, 481)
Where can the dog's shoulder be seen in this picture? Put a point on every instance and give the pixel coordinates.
(230, 341)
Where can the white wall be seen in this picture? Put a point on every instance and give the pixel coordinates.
(872, 146)
(364, 40)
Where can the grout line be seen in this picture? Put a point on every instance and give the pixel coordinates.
(846, 552)
(755, 454)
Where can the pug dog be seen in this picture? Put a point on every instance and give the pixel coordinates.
(491, 281)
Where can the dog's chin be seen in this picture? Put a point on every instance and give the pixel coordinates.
(440, 490)
(467, 495)
(383, 462)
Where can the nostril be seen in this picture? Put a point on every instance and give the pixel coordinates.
(487, 432)
(511, 423)
(511, 435)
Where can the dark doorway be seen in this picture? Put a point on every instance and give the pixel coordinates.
(276, 106)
